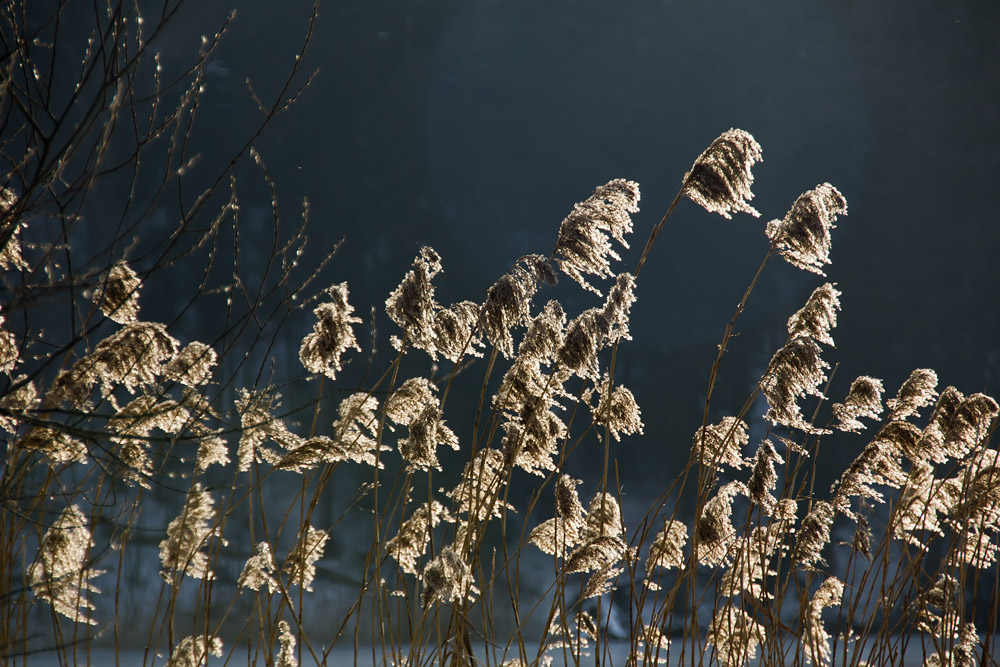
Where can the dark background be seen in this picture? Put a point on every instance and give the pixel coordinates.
(474, 126)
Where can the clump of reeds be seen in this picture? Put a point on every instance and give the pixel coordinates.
(754, 571)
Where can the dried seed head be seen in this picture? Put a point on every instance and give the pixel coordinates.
(259, 570)
(814, 535)
(720, 179)
(618, 412)
(568, 505)
(918, 391)
(332, 335)
(17, 404)
(721, 443)
(933, 442)
(735, 635)
(130, 357)
(57, 446)
(60, 575)
(816, 640)
(596, 554)
(140, 416)
(879, 464)
(133, 424)
(10, 355)
(355, 430)
(864, 399)
(604, 517)
(919, 506)
(970, 424)
(410, 399)
(412, 306)
(531, 439)
(259, 426)
(584, 242)
(818, 316)
(803, 236)
(194, 651)
(584, 338)
(212, 448)
(764, 479)
(795, 371)
(481, 477)
(602, 581)
(447, 577)
(427, 431)
(181, 553)
(508, 301)
(117, 294)
(193, 366)
(455, 331)
(560, 534)
(10, 253)
(667, 550)
(715, 527)
(617, 307)
(300, 566)
(410, 543)
(544, 336)
(286, 647)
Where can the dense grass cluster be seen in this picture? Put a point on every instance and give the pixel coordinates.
(106, 414)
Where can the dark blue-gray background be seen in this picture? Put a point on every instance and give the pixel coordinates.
(474, 126)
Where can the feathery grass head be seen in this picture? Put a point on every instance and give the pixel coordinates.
(412, 306)
(583, 340)
(795, 371)
(286, 647)
(55, 444)
(301, 562)
(917, 392)
(129, 358)
(194, 651)
(187, 535)
(617, 410)
(722, 443)
(427, 431)
(584, 242)
(61, 575)
(259, 570)
(456, 331)
(560, 534)
(715, 528)
(117, 293)
(803, 235)
(720, 179)
(864, 399)
(448, 578)
(410, 543)
(763, 479)
(816, 638)
(192, 366)
(814, 535)
(735, 635)
(818, 316)
(544, 335)
(332, 334)
(10, 355)
(10, 254)
(667, 550)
